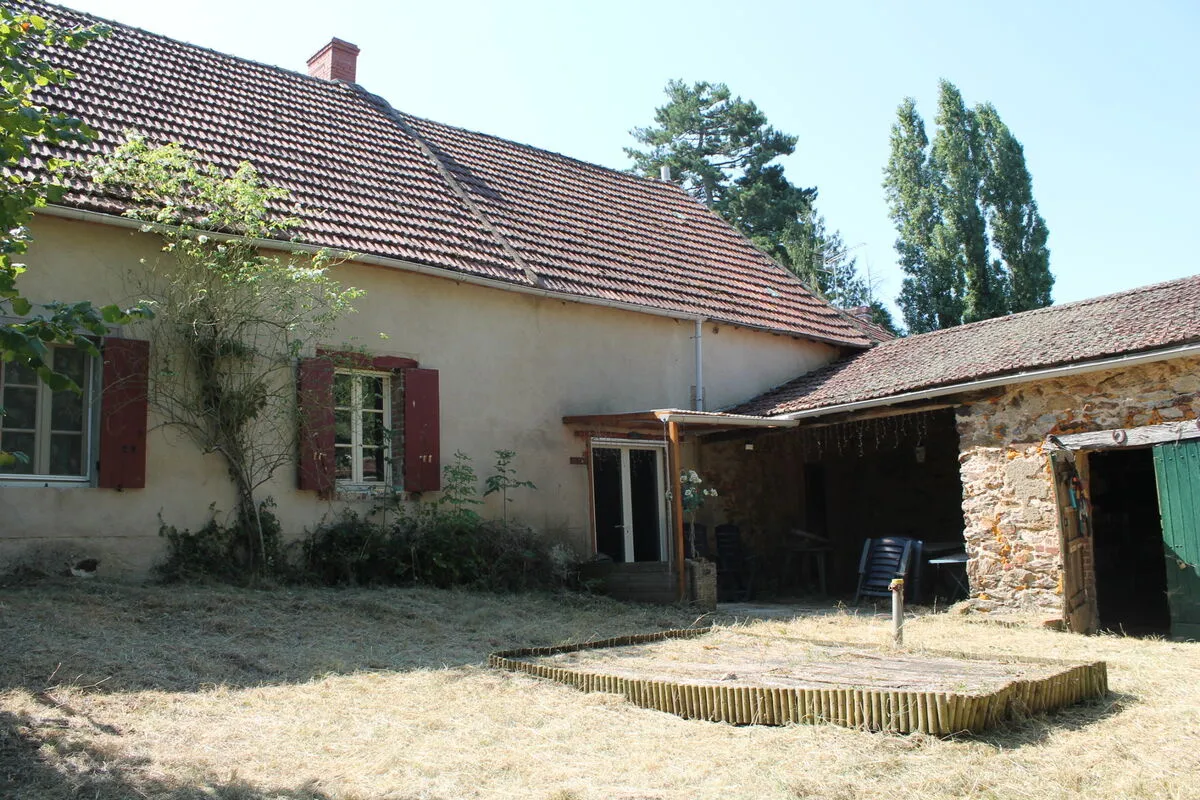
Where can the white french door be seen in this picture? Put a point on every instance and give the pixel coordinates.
(629, 499)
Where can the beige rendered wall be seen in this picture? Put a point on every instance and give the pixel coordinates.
(511, 366)
(1008, 494)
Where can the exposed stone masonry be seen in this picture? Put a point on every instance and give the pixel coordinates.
(1011, 521)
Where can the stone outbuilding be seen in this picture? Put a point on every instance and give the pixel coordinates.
(1059, 447)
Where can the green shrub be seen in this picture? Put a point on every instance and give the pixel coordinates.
(219, 552)
(351, 551)
(437, 549)
(444, 543)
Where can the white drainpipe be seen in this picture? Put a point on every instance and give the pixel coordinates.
(699, 337)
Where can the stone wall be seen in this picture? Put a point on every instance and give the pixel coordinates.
(1008, 495)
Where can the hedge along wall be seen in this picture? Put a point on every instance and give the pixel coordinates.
(1011, 521)
(896, 711)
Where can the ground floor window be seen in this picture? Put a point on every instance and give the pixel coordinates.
(48, 430)
(367, 422)
(362, 426)
(629, 500)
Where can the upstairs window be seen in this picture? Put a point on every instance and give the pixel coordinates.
(362, 404)
(51, 430)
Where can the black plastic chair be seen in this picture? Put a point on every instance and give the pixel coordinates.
(735, 566)
(884, 560)
(697, 540)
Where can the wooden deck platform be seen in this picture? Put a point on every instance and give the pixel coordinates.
(734, 677)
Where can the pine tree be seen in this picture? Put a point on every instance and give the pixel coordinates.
(720, 148)
(709, 138)
(971, 240)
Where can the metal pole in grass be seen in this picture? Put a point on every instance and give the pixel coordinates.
(897, 589)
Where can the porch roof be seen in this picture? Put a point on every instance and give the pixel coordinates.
(654, 419)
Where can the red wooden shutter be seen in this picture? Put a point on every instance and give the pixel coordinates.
(422, 431)
(315, 399)
(124, 379)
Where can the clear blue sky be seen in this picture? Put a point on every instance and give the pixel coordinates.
(1104, 96)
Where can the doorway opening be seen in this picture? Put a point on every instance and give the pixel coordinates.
(1131, 580)
(629, 494)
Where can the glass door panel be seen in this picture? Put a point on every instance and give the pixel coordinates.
(609, 502)
(646, 504)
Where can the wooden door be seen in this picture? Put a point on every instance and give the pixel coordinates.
(1074, 524)
(1177, 469)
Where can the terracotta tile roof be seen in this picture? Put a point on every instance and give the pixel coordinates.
(1148, 318)
(375, 181)
(860, 316)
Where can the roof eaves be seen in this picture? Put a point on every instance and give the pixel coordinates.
(1001, 379)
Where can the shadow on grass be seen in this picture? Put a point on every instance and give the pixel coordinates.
(45, 758)
(1038, 729)
(111, 638)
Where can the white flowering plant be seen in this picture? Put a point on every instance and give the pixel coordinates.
(694, 494)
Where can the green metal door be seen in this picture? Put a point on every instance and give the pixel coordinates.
(1177, 468)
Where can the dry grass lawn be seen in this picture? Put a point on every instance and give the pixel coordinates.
(111, 691)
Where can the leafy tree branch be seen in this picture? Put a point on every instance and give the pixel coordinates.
(27, 42)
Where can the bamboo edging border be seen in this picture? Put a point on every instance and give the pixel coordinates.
(888, 710)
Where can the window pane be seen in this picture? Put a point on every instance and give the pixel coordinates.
(374, 465)
(66, 411)
(19, 373)
(341, 390)
(66, 454)
(373, 433)
(18, 443)
(341, 427)
(610, 508)
(70, 362)
(343, 464)
(20, 407)
(372, 392)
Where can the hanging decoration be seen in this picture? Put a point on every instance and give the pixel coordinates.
(858, 437)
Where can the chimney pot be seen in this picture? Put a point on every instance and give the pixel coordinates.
(664, 173)
(336, 61)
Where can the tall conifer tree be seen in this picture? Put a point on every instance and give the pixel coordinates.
(970, 239)
(1018, 231)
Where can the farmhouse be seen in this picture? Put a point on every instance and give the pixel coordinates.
(506, 287)
(611, 331)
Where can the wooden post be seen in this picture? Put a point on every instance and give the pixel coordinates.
(676, 465)
(897, 587)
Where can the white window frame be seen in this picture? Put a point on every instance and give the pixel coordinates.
(664, 510)
(42, 431)
(356, 428)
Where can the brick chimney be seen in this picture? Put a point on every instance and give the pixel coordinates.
(335, 61)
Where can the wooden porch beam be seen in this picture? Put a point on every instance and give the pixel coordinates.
(1129, 437)
(676, 464)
